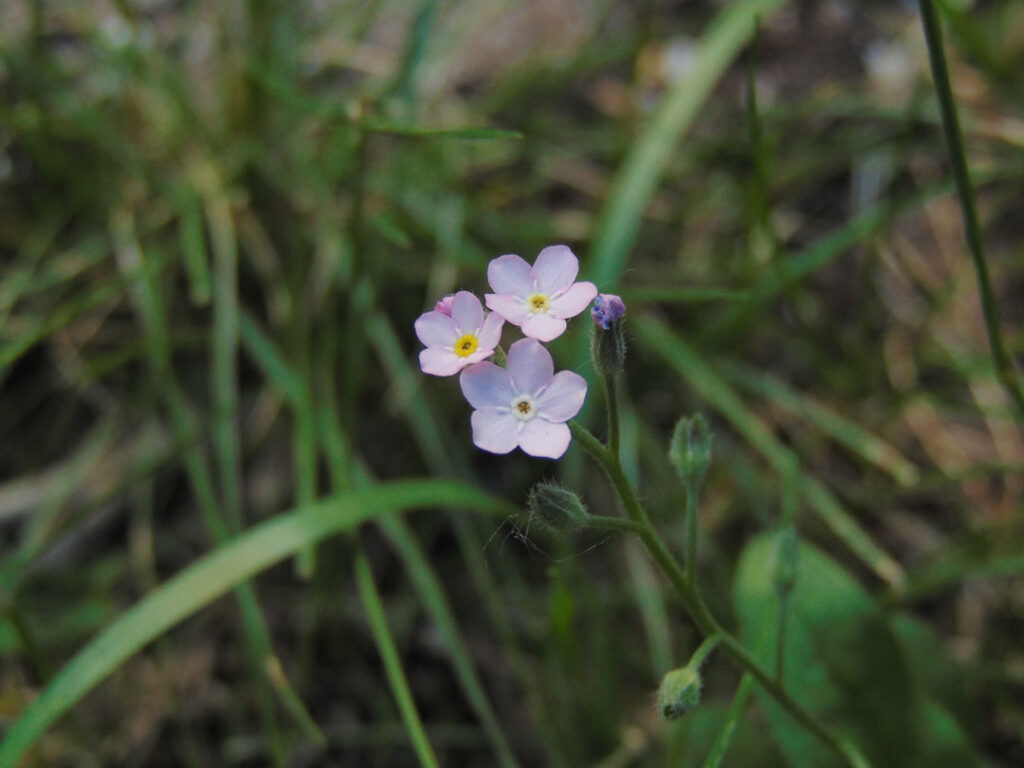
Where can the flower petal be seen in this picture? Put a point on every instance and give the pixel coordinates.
(530, 366)
(485, 385)
(574, 300)
(563, 397)
(490, 333)
(544, 439)
(555, 269)
(511, 308)
(510, 274)
(543, 327)
(438, 361)
(467, 312)
(435, 329)
(494, 431)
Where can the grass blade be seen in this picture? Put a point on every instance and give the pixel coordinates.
(732, 719)
(869, 447)
(431, 591)
(1004, 368)
(224, 370)
(214, 575)
(724, 399)
(642, 170)
(392, 664)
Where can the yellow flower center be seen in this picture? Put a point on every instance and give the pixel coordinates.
(537, 303)
(466, 345)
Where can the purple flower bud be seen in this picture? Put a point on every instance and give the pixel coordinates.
(444, 306)
(607, 309)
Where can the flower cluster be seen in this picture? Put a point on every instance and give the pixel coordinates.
(524, 404)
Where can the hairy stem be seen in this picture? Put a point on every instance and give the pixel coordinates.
(691, 533)
(704, 650)
(611, 396)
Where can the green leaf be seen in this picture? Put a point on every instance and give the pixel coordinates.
(844, 662)
(214, 575)
(472, 132)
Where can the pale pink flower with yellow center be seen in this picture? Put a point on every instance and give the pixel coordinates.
(525, 404)
(458, 337)
(540, 298)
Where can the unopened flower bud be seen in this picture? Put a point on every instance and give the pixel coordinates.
(608, 344)
(679, 692)
(444, 306)
(607, 309)
(556, 508)
(690, 450)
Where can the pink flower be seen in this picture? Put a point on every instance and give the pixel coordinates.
(542, 297)
(458, 339)
(524, 404)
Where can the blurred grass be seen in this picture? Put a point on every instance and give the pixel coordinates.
(217, 224)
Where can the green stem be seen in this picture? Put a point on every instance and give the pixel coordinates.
(615, 524)
(691, 533)
(704, 650)
(611, 396)
(1005, 371)
(780, 638)
(702, 617)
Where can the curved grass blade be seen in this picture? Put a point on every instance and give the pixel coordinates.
(868, 446)
(642, 170)
(431, 591)
(392, 664)
(214, 575)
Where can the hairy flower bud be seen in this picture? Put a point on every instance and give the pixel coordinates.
(679, 692)
(690, 450)
(556, 508)
(608, 344)
(607, 309)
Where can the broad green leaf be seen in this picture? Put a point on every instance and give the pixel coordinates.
(214, 575)
(844, 662)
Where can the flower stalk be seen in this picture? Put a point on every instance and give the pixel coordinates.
(694, 604)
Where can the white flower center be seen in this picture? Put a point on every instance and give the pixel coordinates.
(524, 407)
(538, 303)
